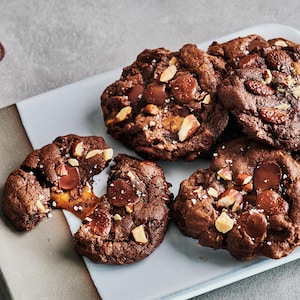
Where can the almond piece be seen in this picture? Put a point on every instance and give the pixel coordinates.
(40, 207)
(281, 43)
(139, 234)
(73, 162)
(207, 99)
(242, 179)
(151, 109)
(224, 223)
(258, 88)
(168, 73)
(225, 173)
(93, 153)
(267, 76)
(188, 127)
(229, 197)
(117, 217)
(274, 115)
(78, 149)
(123, 113)
(212, 192)
(108, 154)
(172, 61)
(296, 91)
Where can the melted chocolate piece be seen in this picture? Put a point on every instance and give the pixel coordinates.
(267, 175)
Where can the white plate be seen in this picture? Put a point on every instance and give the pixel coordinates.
(179, 268)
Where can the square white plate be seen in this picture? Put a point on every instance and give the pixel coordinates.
(179, 268)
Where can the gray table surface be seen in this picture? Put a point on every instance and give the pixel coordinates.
(53, 43)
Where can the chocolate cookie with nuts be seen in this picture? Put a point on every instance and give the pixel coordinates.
(131, 220)
(164, 106)
(59, 175)
(247, 201)
(263, 94)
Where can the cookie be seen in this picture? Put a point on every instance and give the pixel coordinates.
(243, 52)
(131, 219)
(247, 201)
(233, 50)
(164, 106)
(59, 175)
(2, 51)
(264, 97)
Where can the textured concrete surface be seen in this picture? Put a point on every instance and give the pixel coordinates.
(52, 43)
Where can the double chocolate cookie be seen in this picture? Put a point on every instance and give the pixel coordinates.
(247, 201)
(262, 89)
(165, 106)
(131, 219)
(59, 175)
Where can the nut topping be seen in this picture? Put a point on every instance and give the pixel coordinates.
(123, 114)
(224, 223)
(278, 59)
(267, 76)
(151, 109)
(78, 149)
(225, 173)
(273, 115)
(172, 61)
(108, 154)
(207, 99)
(212, 192)
(139, 234)
(229, 197)
(173, 124)
(258, 88)
(93, 152)
(281, 43)
(73, 162)
(188, 127)
(242, 179)
(168, 73)
(296, 91)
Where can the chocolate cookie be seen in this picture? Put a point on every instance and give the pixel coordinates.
(164, 106)
(131, 219)
(2, 51)
(247, 201)
(243, 52)
(264, 96)
(233, 51)
(58, 175)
